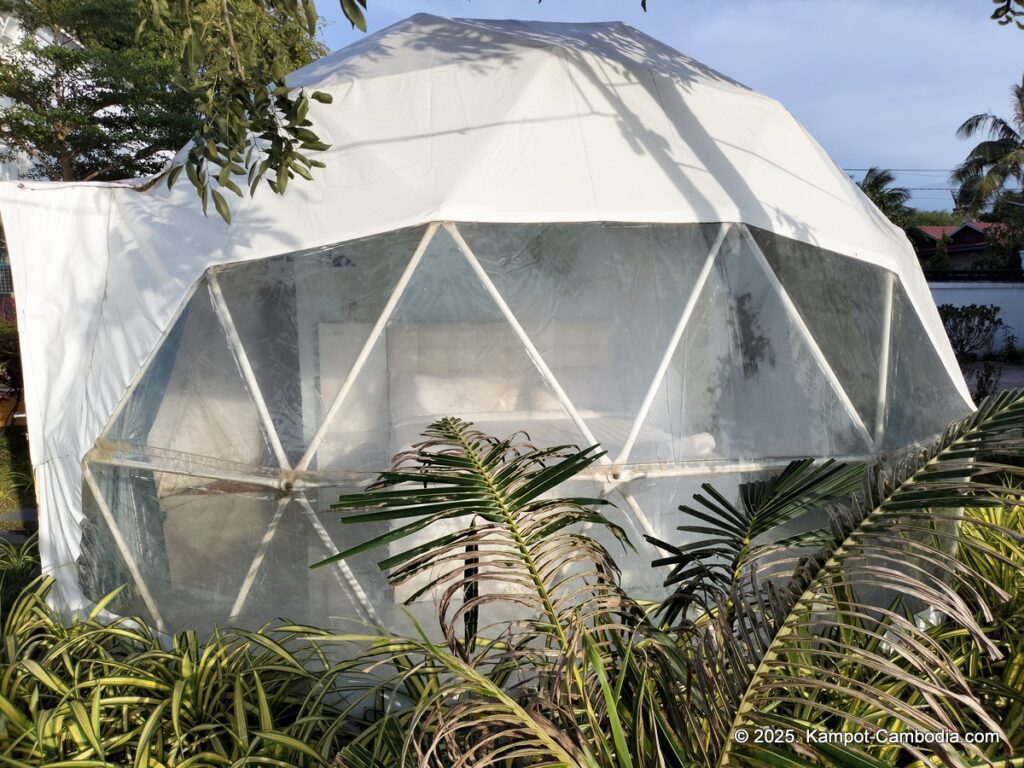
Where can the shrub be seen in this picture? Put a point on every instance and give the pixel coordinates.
(902, 614)
(970, 328)
(114, 693)
(19, 565)
(819, 632)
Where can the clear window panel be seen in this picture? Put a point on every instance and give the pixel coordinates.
(304, 317)
(842, 301)
(922, 399)
(447, 351)
(600, 301)
(192, 397)
(744, 383)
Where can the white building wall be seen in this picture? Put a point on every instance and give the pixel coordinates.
(1009, 297)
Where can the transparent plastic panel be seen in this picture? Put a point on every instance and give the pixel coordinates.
(843, 303)
(190, 544)
(224, 554)
(600, 302)
(659, 498)
(191, 397)
(446, 351)
(922, 399)
(303, 318)
(744, 383)
(101, 566)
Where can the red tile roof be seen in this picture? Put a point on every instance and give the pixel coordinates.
(937, 232)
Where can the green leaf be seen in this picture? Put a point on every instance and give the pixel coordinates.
(173, 174)
(354, 14)
(222, 206)
(282, 739)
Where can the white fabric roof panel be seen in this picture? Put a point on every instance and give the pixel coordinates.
(432, 119)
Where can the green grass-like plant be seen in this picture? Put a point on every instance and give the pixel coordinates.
(101, 692)
(902, 610)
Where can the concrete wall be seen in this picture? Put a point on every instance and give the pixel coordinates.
(1009, 297)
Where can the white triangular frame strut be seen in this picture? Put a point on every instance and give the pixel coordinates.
(257, 561)
(615, 478)
(364, 353)
(801, 326)
(122, 547)
(883, 363)
(542, 367)
(346, 579)
(227, 325)
(673, 344)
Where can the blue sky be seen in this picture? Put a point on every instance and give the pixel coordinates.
(877, 82)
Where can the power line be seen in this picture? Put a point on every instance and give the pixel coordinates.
(906, 170)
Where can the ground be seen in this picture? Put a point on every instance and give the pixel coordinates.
(1012, 377)
(16, 491)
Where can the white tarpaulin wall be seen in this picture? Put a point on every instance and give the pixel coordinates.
(645, 253)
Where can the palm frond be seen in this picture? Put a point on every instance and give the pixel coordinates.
(730, 540)
(501, 539)
(996, 128)
(844, 636)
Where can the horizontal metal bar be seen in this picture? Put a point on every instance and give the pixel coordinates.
(623, 473)
(275, 482)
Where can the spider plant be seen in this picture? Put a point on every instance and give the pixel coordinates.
(19, 563)
(97, 693)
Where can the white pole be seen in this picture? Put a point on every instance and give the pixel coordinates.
(254, 566)
(638, 513)
(617, 474)
(883, 363)
(520, 332)
(122, 546)
(801, 326)
(227, 325)
(342, 571)
(673, 343)
(204, 472)
(364, 353)
(537, 359)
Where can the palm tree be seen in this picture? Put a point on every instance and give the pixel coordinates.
(994, 162)
(901, 615)
(891, 201)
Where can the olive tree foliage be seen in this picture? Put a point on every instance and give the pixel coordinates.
(251, 126)
(1008, 11)
(94, 91)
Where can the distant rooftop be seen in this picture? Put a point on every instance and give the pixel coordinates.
(937, 231)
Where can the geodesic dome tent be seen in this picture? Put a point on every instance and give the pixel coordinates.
(569, 229)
